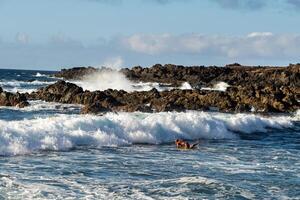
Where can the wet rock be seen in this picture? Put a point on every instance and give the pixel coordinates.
(200, 76)
(11, 99)
(75, 73)
(267, 89)
(94, 108)
(235, 99)
(61, 91)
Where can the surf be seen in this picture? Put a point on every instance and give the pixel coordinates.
(62, 132)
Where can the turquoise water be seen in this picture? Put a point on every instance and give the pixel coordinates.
(49, 151)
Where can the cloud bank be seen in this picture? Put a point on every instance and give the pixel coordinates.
(237, 4)
(253, 45)
(259, 4)
(227, 4)
(147, 49)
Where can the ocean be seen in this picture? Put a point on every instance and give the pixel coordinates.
(50, 151)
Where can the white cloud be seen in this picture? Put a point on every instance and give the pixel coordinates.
(256, 44)
(148, 49)
(149, 44)
(259, 4)
(260, 34)
(227, 4)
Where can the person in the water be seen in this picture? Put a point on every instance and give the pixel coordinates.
(181, 144)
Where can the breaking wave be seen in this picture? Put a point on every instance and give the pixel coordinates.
(221, 86)
(107, 79)
(24, 83)
(63, 132)
(112, 79)
(39, 75)
(23, 86)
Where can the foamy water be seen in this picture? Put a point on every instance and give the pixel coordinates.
(24, 81)
(221, 86)
(38, 74)
(115, 80)
(65, 131)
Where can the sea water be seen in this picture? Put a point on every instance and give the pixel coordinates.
(50, 151)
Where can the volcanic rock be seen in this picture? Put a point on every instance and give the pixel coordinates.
(235, 99)
(11, 99)
(200, 76)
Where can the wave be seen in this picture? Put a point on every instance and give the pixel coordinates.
(221, 86)
(23, 86)
(186, 86)
(40, 75)
(63, 132)
(20, 90)
(15, 83)
(111, 79)
(106, 79)
(40, 105)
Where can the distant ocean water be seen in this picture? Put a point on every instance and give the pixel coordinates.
(50, 151)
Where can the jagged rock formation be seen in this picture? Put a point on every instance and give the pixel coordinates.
(263, 89)
(207, 76)
(75, 73)
(235, 99)
(199, 76)
(11, 99)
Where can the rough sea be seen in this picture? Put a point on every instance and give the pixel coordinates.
(50, 151)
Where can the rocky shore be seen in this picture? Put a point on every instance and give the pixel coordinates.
(235, 99)
(11, 99)
(252, 89)
(200, 76)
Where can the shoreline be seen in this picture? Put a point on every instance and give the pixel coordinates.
(250, 90)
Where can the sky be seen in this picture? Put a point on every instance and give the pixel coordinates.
(55, 34)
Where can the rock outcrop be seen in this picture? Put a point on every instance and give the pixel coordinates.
(235, 99)
(12, 99)
(75, 73)
(260, 89)
(200, 76)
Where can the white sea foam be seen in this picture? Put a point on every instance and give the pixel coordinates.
(15, 83)
(40, 75)
(146, 86)
(297, 116)
(39, 105)
(112, 79)
(186, 86)
(105, 80)
(23, 86)
(20, 90)
(221, 86)
(62, 132)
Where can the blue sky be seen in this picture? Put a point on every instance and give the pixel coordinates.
(51, 34)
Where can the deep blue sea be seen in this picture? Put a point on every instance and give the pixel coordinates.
(50, 151)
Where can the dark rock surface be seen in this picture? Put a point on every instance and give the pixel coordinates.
(200, 76)
(234, 74)
(235, 99)
(263, 89)
(75, 73)
(11, 99)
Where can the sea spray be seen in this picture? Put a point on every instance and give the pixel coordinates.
(62, 132)
(220, 86)
(112, 79)
(38, 74)
(105, 79)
